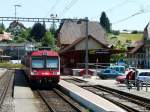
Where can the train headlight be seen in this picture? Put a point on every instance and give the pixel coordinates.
(34, 73)
(56, 73)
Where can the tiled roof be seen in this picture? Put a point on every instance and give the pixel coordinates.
(137, 45)
(72, 30)
(5, 36)
(16, 23)
(147, 31)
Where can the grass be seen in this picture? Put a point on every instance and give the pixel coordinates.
(123, 37)
(132, 37)
(10, 65)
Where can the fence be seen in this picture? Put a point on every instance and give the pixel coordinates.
(138, 84)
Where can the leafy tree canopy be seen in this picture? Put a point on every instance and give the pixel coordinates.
(104, 21)
(2, 28)
(26, 34)
(38, 31)
(48, 40)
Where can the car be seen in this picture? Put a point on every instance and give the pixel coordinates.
(143, 75)
(121, 79)
(109, 73)
(119, 68)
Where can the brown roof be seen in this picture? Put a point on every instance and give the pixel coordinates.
(5, 36)
(137, 45)
(77, 41)
(147, 32)
(72, 30)
(16, 23)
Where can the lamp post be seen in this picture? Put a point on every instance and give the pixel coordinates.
(16, 9)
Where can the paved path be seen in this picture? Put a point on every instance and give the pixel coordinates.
(89, 99)
(24, 98)
(2, 71)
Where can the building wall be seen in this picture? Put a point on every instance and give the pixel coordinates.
(147, 46)
(16, 51)
(136, 60)
(92, 44)
(147, 55)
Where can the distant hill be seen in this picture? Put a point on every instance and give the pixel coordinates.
(124, 38)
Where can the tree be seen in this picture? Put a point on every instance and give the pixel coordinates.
(38, 31)
(121, 55)
(48, 40)
(104, 21)
(53, 28)
(134, 32)
(26, 34)
(2, 28)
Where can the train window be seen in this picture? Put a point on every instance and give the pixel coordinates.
(37, 62)
(52, 63)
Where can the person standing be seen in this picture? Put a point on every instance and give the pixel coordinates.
(129, 77)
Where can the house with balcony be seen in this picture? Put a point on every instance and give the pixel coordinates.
(136, 54)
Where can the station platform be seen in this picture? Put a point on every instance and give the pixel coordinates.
(24, 98)
(2, 71)
(90, 100)
(111, 83)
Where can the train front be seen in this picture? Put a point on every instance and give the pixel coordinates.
(45, 68)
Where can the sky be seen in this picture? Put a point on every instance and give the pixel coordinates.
(123, 14)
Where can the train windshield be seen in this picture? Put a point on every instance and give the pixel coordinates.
(37, 62)
(52, 62)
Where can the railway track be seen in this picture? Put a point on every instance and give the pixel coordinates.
(57, 101)
(126, 101)
(4, 84)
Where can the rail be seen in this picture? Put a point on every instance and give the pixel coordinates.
(129, 102)
(56, 101)
(6, 81)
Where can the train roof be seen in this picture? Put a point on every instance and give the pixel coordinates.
(44, 52)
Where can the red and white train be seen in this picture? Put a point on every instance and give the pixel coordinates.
(42, 66)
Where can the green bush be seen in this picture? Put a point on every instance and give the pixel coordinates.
(10, 65)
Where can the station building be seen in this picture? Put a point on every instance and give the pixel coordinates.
(136, 54)
(71, 40)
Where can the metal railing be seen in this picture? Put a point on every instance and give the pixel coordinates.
(93, 65)
(138, 84)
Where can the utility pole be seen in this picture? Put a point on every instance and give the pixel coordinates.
(53, 17)
(18, 55)
(86, 46)
(16, 9)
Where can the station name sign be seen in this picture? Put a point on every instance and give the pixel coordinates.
(101, 51)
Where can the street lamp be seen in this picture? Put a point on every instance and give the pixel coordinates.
(15, 10)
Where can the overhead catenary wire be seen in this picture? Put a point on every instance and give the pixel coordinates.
(53, 7)
(141, 11)
(117, 6)
(68, 7)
